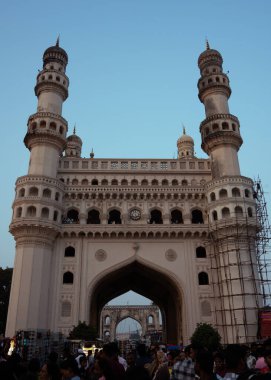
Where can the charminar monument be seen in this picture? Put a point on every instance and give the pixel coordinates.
(180, 232)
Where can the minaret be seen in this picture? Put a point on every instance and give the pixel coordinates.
(231, 210)
(220, 131)
(37, 207)
(47, 129)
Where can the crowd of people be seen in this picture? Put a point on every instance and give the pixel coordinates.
(230, 363)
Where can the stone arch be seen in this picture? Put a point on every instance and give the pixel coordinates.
(176, 216)
(156, 216)
(93, 216)
(136, 275)
(114, 216)
(197, 216)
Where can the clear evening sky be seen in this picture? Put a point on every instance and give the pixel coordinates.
(133, 78)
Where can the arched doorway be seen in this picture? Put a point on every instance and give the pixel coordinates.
(148, 282)
(133, 331)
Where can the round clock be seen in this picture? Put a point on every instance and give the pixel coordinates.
(135, 214)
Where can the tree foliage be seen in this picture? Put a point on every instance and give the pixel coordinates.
(83, 332)
(5, 286)
(206, 336)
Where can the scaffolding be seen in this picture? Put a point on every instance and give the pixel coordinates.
(263, 243)
(239, 249)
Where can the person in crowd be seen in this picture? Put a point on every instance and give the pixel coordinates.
(219, 365)
(204, 363)
(185, 369)
(143, 358)
(90, 358)
(110, 353)
(69, 370)
(33, 370)
(49, 371)
(236, 363)
(137, 373)
(161, 371)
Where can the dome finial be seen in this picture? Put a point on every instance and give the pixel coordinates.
(184, 131)
(74, 129)
(57, 41)
(207, 44)
(92, 153)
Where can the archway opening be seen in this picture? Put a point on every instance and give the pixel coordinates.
(129, 329)
(137, 277)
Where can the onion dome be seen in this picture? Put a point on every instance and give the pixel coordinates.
(185, 146)
(74, 145)
(209, 57)
(55, 54)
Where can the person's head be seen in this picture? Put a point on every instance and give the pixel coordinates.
(267, 352)
(130, 358)
(204, 363)
(68, 368)
(138, 372)
(190, 352)
(235, 358)
(83, 361)
(89, 352)
(49, 371)
(160, 357)
(219, 361)
(141, 349)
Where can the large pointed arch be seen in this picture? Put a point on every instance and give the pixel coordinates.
(146, 281)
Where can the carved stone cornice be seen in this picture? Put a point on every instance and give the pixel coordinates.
(219, 116)
(228, 180)
(29, 233)
(38, 137)
(31, 179)
(214, 88)
(218, 138)
(51, 86)
(50, 115)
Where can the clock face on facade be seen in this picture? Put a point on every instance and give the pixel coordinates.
(135, 214)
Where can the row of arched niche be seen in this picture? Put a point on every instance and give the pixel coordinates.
(133, 182)
(114, 217)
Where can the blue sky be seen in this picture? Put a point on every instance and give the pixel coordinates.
(133, 78)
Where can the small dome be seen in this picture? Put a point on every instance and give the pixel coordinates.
(55, 54)
(185, 146)
(74, 139)
(185, 138)
(209, 56)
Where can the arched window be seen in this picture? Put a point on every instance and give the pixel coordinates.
(203, 278)
(174, 182)
(43, 124)
(93, 217)
(104, 182)
(22, 192)
(214, 213)
(75, 181)
(33, 192)
(124, 182)
(45, 213)
(94, 182)
(176, 217)
(144, 182)
(236, 192)
(212, 197)
(238, 211)
(225, 126)
(46, 193)
(69, 251)
(156, 217)
(206, 309)
(114, 217)
(57, 196)
(164, 182)
(55, 216)
(19, 212)
(72, 216)
(249, 212)
(197, 217)
(68, 278)
(134, 182)
(154, 182)
(200, 252)
(184, 182)
(61, 129)
(107, 320)
(223, 193)
(52, 126)
(34, 126)
(215, 127)
(247, 193)
(150, 320)
(31, 211)
(225, 212)
(84, 182)
(66, 308)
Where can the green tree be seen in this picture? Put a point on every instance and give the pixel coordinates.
(5, 285)
(206, 336)
(83, 331)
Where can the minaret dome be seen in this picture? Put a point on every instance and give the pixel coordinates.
(185, 146)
